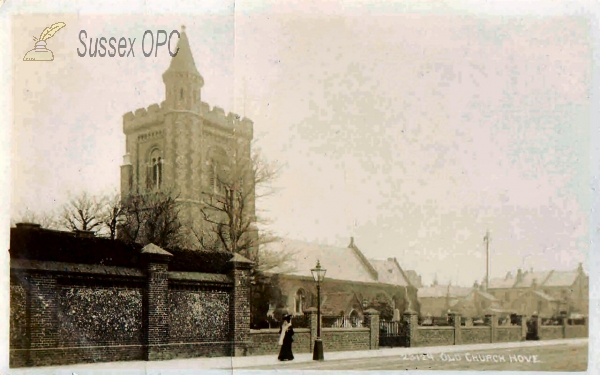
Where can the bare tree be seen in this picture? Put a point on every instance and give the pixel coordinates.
(82, 212)
(229, 208)
(112, 215)
(151, 218)
(46, 220)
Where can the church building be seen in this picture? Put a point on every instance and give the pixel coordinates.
(182, 145)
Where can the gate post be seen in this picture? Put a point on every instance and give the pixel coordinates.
(456, 320)
(523, 321)
(311, 315)
(372, 321)
(493, 321)
(411, 320)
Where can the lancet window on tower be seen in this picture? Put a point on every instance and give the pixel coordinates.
(155, 169)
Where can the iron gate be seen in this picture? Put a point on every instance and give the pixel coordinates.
(392, 334)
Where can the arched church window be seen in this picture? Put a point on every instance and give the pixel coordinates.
(300, 301)
(155, 170)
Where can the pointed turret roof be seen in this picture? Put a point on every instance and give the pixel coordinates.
(183, 62)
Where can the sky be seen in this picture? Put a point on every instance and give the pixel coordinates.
(413, 130)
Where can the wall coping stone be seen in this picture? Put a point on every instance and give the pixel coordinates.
(446, 328)
(200, 276)
(51, 266)
(153, 249)
(354, 329)
(276, 331)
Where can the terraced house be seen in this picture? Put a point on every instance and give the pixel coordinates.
(547, 293)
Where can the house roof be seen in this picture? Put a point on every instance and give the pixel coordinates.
(389, 272)
(561, 278)
(333, 303)
(543, 295)
(436, 291)
(486, 295)
(502, 283)
(528, 277)
(413, 278)
(341, 263)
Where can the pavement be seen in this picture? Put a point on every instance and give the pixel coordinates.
(227, 363)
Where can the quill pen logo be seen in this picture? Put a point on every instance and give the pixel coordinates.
(40, 52)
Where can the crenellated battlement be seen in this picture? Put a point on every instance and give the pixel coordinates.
(155, 113)
(143, 116)
(217, 116)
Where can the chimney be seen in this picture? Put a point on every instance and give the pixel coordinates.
(580, 268)
(351, 242)
(475, 285)
(28, 226)
(519, 275)
(84, 234)
(534, 284)
(508, 275)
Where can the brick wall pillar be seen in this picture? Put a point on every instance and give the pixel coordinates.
(456, 319)
(538, 326)
(311, 314)
(492, 320)
(564, 322)
(523, 320)
(156, 296)
(372, 321)
(239, 305)
(43, 309)
(411, 321)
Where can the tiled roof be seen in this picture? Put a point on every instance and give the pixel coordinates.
(561, 278)
(543, 295)
(460, 291)
(341, 263)
(388, 272)
(433, 291)
(443, 291)
(333, 303)
(486, 295)
(414, 278)
(528, 278)
(501, 283)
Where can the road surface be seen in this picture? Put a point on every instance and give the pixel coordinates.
(561, 357)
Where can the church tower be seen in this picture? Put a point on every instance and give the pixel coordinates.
(181, 145)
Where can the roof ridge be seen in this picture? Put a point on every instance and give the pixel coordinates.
(363, 259)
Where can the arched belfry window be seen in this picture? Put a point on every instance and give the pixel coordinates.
(218, 168)
(155, 169)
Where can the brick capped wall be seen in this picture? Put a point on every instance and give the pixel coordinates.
(551, 332)
(576, 331)
(198, 315)
(508, 334)
(99, 315)
(476, 335)
(266, 341)
(340, 339)
(81, 314)
(433, 336)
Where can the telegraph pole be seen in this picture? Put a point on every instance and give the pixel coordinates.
(486, 239)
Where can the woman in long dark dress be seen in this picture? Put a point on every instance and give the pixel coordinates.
(286, 332)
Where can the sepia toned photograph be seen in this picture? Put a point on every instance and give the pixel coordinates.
(323, 186)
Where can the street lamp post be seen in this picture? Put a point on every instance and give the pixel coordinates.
(318, 274)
